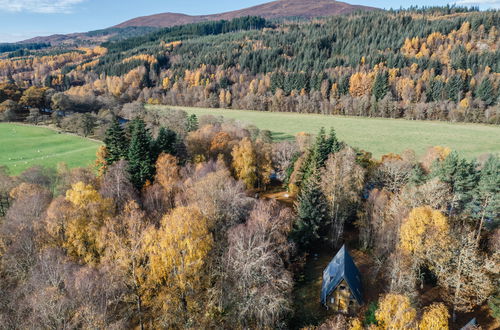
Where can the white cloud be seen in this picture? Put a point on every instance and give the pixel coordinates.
(39, 6)
(483, 4)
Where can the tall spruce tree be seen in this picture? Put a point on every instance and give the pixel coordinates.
(312, 214)
(486, 92)
(455, 87)
(140, 155)
(116, 143)
(462, 177)
(381, 85)
(486, 197)
(192, 123)
(321, 149)
(165, 142)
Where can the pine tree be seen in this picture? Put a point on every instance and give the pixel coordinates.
(381, 85)
(140, 160)
(312, 214)
(334, 145)
(436, 90)
(165, 142)
(116, 143)
(462, 177)
(88, 124)
(454, 88)
(486, 92)
(418, 175)
(319, 153)
(192, 123)
(486, 197)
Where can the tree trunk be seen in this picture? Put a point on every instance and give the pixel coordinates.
(457, 287)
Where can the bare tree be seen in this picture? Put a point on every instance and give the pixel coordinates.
(116, 184)
(393, 173)
(282, 156)
(465, 277)
(260, 285)
(342, 180)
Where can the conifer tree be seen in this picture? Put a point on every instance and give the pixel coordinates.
(462, 177)
(116, 143)
(486, 197)
(192, 123)
(454, 88)
(312, 214)
(485, 91)
(165, 142)
(140, 160)
(381, 85)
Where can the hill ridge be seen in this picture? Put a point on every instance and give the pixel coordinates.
(270, 10)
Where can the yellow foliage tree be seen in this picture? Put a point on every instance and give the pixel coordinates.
(360, 84)
(252, 162)
(167, 171)
(395, 312)
(100, 162)
(435, 317)
(245, 162)
(88, 214)
(425, 235)
(177, 254)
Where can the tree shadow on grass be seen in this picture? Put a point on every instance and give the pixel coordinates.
(281, 136)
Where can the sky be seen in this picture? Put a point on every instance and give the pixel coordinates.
(23, 19)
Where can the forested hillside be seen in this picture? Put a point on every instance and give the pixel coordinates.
(176, 226)
(201, 222)
(435, 63)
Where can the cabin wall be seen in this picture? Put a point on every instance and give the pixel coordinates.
(341, 300)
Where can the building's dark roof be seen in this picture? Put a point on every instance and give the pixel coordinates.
(342, 267)
(472, 323)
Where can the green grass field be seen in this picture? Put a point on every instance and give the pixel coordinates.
(22, 147)
(377, 135)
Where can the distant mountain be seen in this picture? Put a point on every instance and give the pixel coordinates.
(145, 24)
(92, 37)
(275, 9)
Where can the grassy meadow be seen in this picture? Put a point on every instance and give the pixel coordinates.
(22, 147)
(377, 135)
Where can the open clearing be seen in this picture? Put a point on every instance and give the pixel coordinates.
(377, 135)
(22, 147)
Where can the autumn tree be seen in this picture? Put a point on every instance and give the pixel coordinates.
(126, 254)
(252, 162)
(435, 317)
(82, 221)
(395, 312)
(426, 236)
(34, 97)
(260, 285)
(177, 254)
(116, 184)
(464, 276)
(342, 180)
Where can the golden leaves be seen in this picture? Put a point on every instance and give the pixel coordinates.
(395, 312)
(435, 317)
(423, 230)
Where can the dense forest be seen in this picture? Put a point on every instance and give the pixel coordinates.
(203, 222)
(175, 231)
(434, 63)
